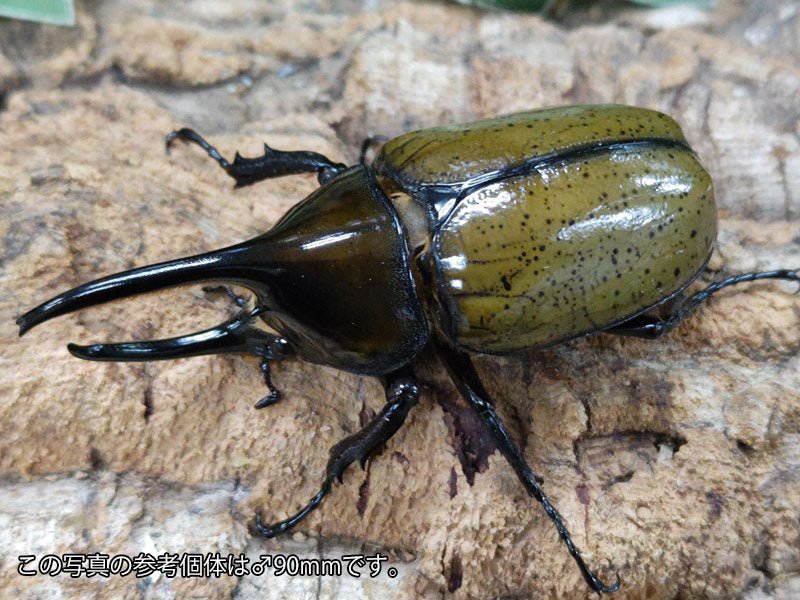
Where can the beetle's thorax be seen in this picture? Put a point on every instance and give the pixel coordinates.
(337, 278)
(332, 277)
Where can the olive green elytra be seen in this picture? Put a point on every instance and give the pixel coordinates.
(570, 220)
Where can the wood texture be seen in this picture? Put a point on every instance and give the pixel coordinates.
(675, 462)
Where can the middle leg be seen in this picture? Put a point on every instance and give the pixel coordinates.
(402, 392)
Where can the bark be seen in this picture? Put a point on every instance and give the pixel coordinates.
(674, 462)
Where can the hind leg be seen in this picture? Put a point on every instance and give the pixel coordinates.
(651, 327)
(463, 374)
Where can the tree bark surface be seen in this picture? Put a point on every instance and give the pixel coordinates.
(675, 463)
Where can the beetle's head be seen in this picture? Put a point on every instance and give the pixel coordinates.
(331, 277)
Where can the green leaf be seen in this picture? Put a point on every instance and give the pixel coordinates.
(516, 5)
(57, 12)
(660, 3)
(542, 6)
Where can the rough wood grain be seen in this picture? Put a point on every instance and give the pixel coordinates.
(675, 462)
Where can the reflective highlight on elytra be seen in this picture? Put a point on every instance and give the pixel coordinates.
(543, 257)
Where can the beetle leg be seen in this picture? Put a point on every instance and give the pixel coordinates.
(402, 392)
(238, 300)
(274, 393)
(277, 349)
(463, 374)
(274, 163)
(651, 327)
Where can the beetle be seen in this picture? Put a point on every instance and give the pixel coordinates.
(515, 232)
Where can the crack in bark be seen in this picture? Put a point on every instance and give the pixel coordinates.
(96, 459)
(147, 400)
(363, 494)
(467, 435)
(455, 576)
(624, 478)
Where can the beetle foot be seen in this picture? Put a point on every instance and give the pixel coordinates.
(268, 531)
(274, 529)
(599, 587)
(268, 400)
(190, 135)
(274, 393)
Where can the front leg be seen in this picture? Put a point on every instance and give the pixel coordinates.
(402, 392)
(276, 348)
(274, 163)
(463, 374)
(236, 335)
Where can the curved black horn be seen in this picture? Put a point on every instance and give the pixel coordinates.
(243, 264)
(235, 335)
